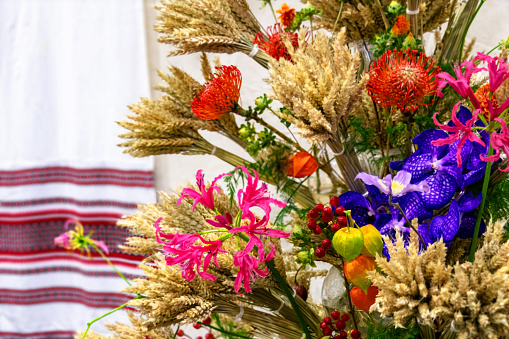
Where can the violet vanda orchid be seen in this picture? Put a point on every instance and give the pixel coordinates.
(394, 187)
(499, 141)
(461, 132)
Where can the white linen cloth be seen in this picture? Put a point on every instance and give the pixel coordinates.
(67, 71)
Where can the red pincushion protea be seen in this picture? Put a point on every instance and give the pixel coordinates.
(403, 79)
(220, 95)
(275, 46)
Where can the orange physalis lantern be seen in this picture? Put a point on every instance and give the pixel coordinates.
(301, 164)
(361, 300)
(356, 271)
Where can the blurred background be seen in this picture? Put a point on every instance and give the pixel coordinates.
(68, 69)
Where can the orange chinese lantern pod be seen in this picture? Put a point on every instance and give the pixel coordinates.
(356, 271)
(301, 164)
(361, 300)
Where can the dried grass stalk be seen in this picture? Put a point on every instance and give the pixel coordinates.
(219, 26)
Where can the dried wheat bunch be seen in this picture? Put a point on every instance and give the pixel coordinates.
(410, 283)
(219, 26)
(320, 89)
(365, 18)
(134, 330)
(476, 301)
(168, 125)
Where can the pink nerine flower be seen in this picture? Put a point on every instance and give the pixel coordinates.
(63, 240)
(205, 196)
(181, 250)
(248, 267)
(497, 69)
(462, 83)
(461, 132)
(254, 196)
(499, 141)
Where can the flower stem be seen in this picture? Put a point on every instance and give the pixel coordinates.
(339, 15)
(347, 287)
(408, 222)
(485, 185)
(272, 10)
(111, 264)
(277, 132)
(212, 231)
(107, 314)
(289, 295)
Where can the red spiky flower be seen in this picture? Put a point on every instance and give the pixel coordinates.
(220, 95)
(275, 46)
(403, 79)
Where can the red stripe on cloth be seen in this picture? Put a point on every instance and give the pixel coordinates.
(65, 200)
(96, 176)
(62, 294)
(65, 269)
(58, 215)
(39, 335)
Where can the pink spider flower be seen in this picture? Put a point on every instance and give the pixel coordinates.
(182, 251)
(462, 82)
(75, 239)
(256, 229)
(223, 221)
(205, 196)
(249, 267)
(497, 68)
(499, 141)
(460, 132)
(254, 196)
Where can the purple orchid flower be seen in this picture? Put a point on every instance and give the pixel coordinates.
(249, 267)
(182, 251)
(206, 195)
(395, 187)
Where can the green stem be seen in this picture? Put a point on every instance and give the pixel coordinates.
(463, 38)
(107, 314)
(225, 332)
(347, 287)
(289, 295)
(272, 10)
(409, 224)
(212, 231)
(339, 15)
(111, 264)
(485, 185)
(175, 335)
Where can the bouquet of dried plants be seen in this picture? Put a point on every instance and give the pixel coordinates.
(399, 199)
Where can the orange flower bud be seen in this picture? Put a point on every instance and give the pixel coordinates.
(301, 165)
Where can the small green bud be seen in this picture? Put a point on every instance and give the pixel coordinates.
(409, 42)
(394, 7)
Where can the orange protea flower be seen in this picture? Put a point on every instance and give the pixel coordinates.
(483, 95)
(286, 15)
(220, 95)
(401, 26)
(275, 46)
(403, 79)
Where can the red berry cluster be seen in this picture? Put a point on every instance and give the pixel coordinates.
(334, 327)
(180, 333)
(320, 217)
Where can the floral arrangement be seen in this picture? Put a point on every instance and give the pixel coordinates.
(399, 201)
